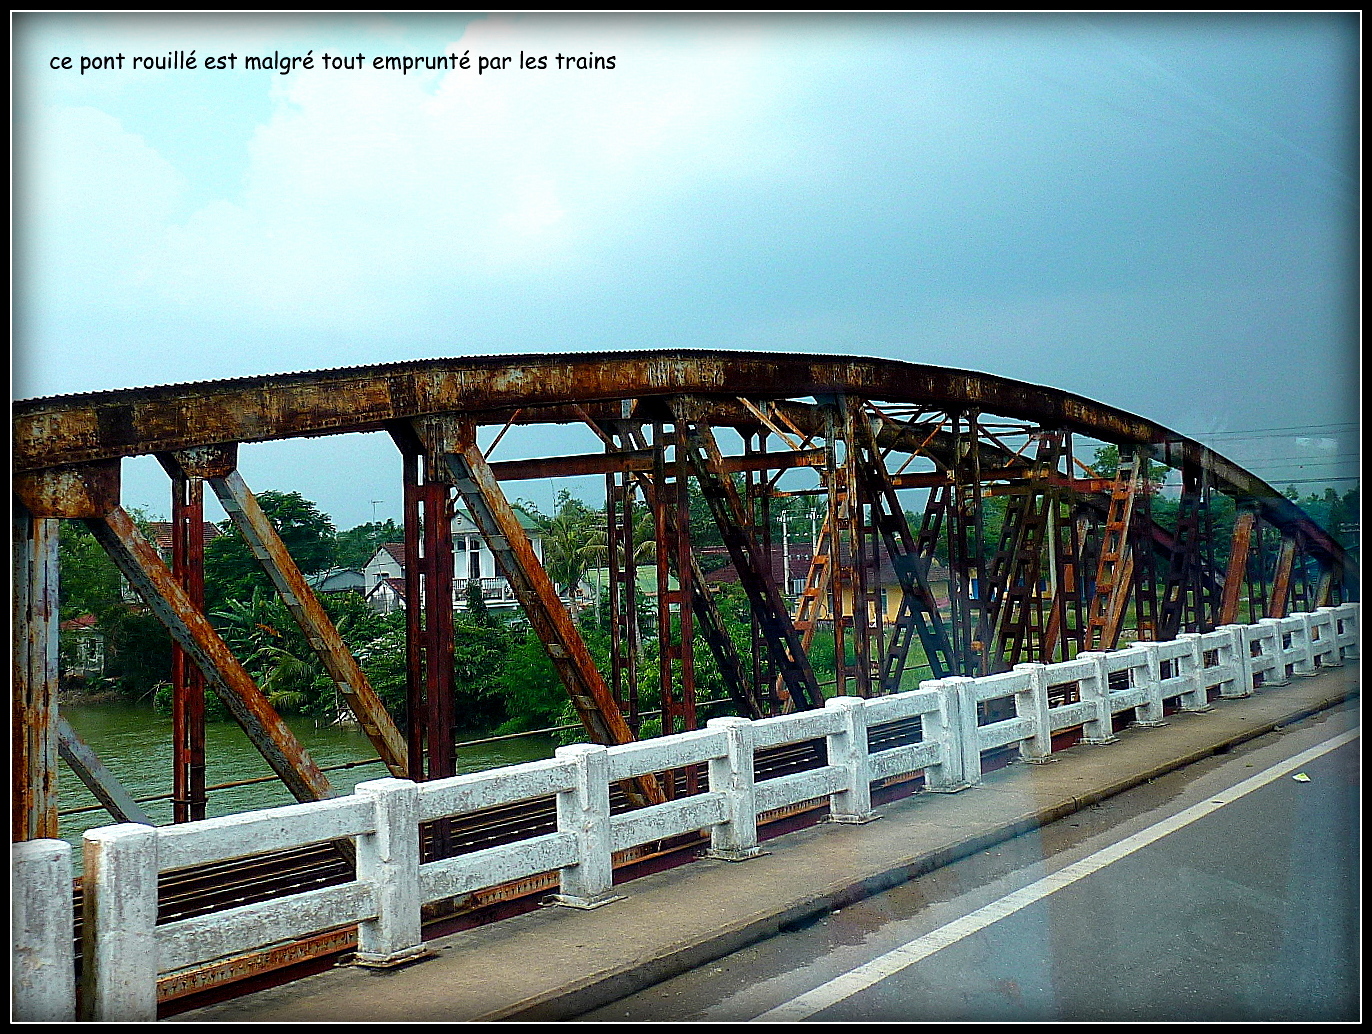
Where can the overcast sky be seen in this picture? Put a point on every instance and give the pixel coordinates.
(1156, 211)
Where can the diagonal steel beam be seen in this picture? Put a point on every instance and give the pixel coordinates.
(139, 563)
(453, 440)
(247, 514)
(1281, 577)
(1238, 564)
(730, 516)
(82, 760)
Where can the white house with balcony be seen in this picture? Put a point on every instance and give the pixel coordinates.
(384, 574)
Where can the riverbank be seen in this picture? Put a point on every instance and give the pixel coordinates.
(134, 742)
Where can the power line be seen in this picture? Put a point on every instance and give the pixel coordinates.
(1261, 432)
(1315, 481)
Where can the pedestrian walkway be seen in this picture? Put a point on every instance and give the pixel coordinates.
(557, 963)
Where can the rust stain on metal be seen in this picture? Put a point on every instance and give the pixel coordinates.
(242, 507)
(148, 574)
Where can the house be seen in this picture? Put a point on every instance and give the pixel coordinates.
(82, 648)
(337, 580)
(383, 577)
(800, 560)
(160, 534)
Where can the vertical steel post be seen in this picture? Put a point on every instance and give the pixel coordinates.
(965, 553)
(33, 813)
(416, 684)
(188, 684)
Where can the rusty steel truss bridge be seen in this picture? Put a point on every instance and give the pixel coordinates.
(1077, 561)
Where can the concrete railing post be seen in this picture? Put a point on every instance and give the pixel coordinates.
(1100, 727)
(736, 839)
(42, 966)
(1195, 699)
(1303, 639)
(1149, 714)
(1032, 703)
(944, 728)
(584, 812)
(1346, 628)
(1330, 654)
(969, 745)
(1278, 640)
(1242, 661)
(118, 936)
(388, 859)
(848, 750)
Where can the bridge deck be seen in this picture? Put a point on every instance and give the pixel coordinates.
(558, 962)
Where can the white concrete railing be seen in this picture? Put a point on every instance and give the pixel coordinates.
(125, 950)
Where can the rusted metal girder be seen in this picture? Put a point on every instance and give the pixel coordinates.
(1239, 549)
(101, 782)
(261, 535)
(106, 425)
(640, 461)
(34, 738)
(1015, 603)
(779, 634)
(1115, 568)
(966, 559)
(1281, 577)
(918, 613)
(452, 440)
(139, 563)
(188, 685)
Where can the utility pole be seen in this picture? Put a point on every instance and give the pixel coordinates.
(785, 553)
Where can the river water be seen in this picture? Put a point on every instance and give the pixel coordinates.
(135, 744)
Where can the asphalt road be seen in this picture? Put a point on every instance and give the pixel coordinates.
(1228, 890)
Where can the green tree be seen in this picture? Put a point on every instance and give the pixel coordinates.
(232, 572)
(480, 650)
(88, 581)
(570, 542)
(138, 651)
(534, 696)
(354, 547)
(138, 648)
(1106, 464)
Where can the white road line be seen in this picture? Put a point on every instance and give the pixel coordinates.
(908, 954)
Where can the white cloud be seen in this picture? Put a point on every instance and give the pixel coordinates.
(94, 201)
(369, 190)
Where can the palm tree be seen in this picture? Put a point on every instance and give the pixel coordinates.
(569, 547)
(271, 648)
